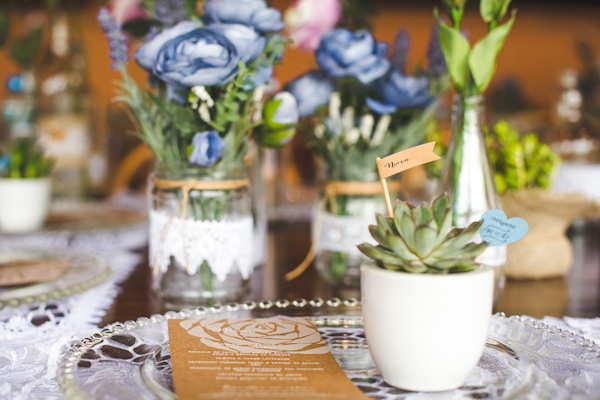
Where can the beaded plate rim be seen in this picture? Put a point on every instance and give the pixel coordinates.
(68, 360)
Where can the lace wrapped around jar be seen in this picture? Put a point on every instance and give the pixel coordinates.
(346, 209)
(201, 236)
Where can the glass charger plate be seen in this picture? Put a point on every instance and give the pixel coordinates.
(523, 358)
(83, 272)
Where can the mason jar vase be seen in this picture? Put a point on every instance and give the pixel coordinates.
(201, 236)
(346, 207)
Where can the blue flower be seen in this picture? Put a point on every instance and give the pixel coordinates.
(247, 41)
(147, 54)
(311, 90)
(201, 57)
(117, 42)
(435, 57)
(207, 148)
(344, 53)
(397, 91)
(262, 76)
(252, 13)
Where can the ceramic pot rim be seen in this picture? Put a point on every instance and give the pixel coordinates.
(372, 268)
(21, 180)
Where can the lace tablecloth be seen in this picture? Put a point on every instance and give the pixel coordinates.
(33, 337)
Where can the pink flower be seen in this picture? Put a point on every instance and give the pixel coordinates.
(308, 20)
(126, 10)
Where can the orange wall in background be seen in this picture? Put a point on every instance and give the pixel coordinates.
(541, 45)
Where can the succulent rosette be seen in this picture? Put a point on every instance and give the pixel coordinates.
(419, 240)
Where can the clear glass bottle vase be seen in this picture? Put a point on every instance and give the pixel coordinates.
(468, 178)
(201, 237)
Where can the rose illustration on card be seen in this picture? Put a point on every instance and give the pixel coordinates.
(297, 335)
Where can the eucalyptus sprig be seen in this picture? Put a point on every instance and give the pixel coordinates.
(471, 68)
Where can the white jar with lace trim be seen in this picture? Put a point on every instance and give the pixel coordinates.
(201, 237)
(346, 207)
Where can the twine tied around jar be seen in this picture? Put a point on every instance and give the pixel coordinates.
(186, 186)
(331, 189)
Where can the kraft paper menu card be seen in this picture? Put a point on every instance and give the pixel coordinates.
(255, 358)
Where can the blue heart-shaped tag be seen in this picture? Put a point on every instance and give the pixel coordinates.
(497, 230)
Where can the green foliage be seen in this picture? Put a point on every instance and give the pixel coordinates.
(472, 67)
(24, 49)
(4, 25)
(493, 10)
(356, 14)
(482, 59)
(24, 159)
(419, 240)
(520, 162)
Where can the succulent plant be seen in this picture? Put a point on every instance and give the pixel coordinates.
(419, 240)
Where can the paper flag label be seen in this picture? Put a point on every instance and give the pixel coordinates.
(255, 358)
(497, 230)
(406, 159)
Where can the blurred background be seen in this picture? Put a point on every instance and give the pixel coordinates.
(56, 80)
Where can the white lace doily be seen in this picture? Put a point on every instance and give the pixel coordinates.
(223, 244)
(342, 232)
(33, 337)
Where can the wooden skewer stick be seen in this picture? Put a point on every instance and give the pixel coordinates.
(386, 194)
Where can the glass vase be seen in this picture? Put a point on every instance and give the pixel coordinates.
(346, 207)
(201, 236)
(468, 178)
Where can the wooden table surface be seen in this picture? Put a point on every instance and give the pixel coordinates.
(576, 295)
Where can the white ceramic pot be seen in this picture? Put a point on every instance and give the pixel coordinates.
(24, 204)
(426, 332)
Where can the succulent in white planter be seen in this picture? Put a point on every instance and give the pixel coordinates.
(25, 186)
(426, 301)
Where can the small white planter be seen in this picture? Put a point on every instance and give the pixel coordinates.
(24, 204)
(426, 332)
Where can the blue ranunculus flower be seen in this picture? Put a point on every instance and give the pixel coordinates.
(247, 41)
(344, 53)
(147, 53)
(263, 75)
(254, 13)
(201, 57)
(311, 90)
(207, 148)
(397, 90)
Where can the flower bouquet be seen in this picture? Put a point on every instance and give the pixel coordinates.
(202, 108)
(359, 105)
